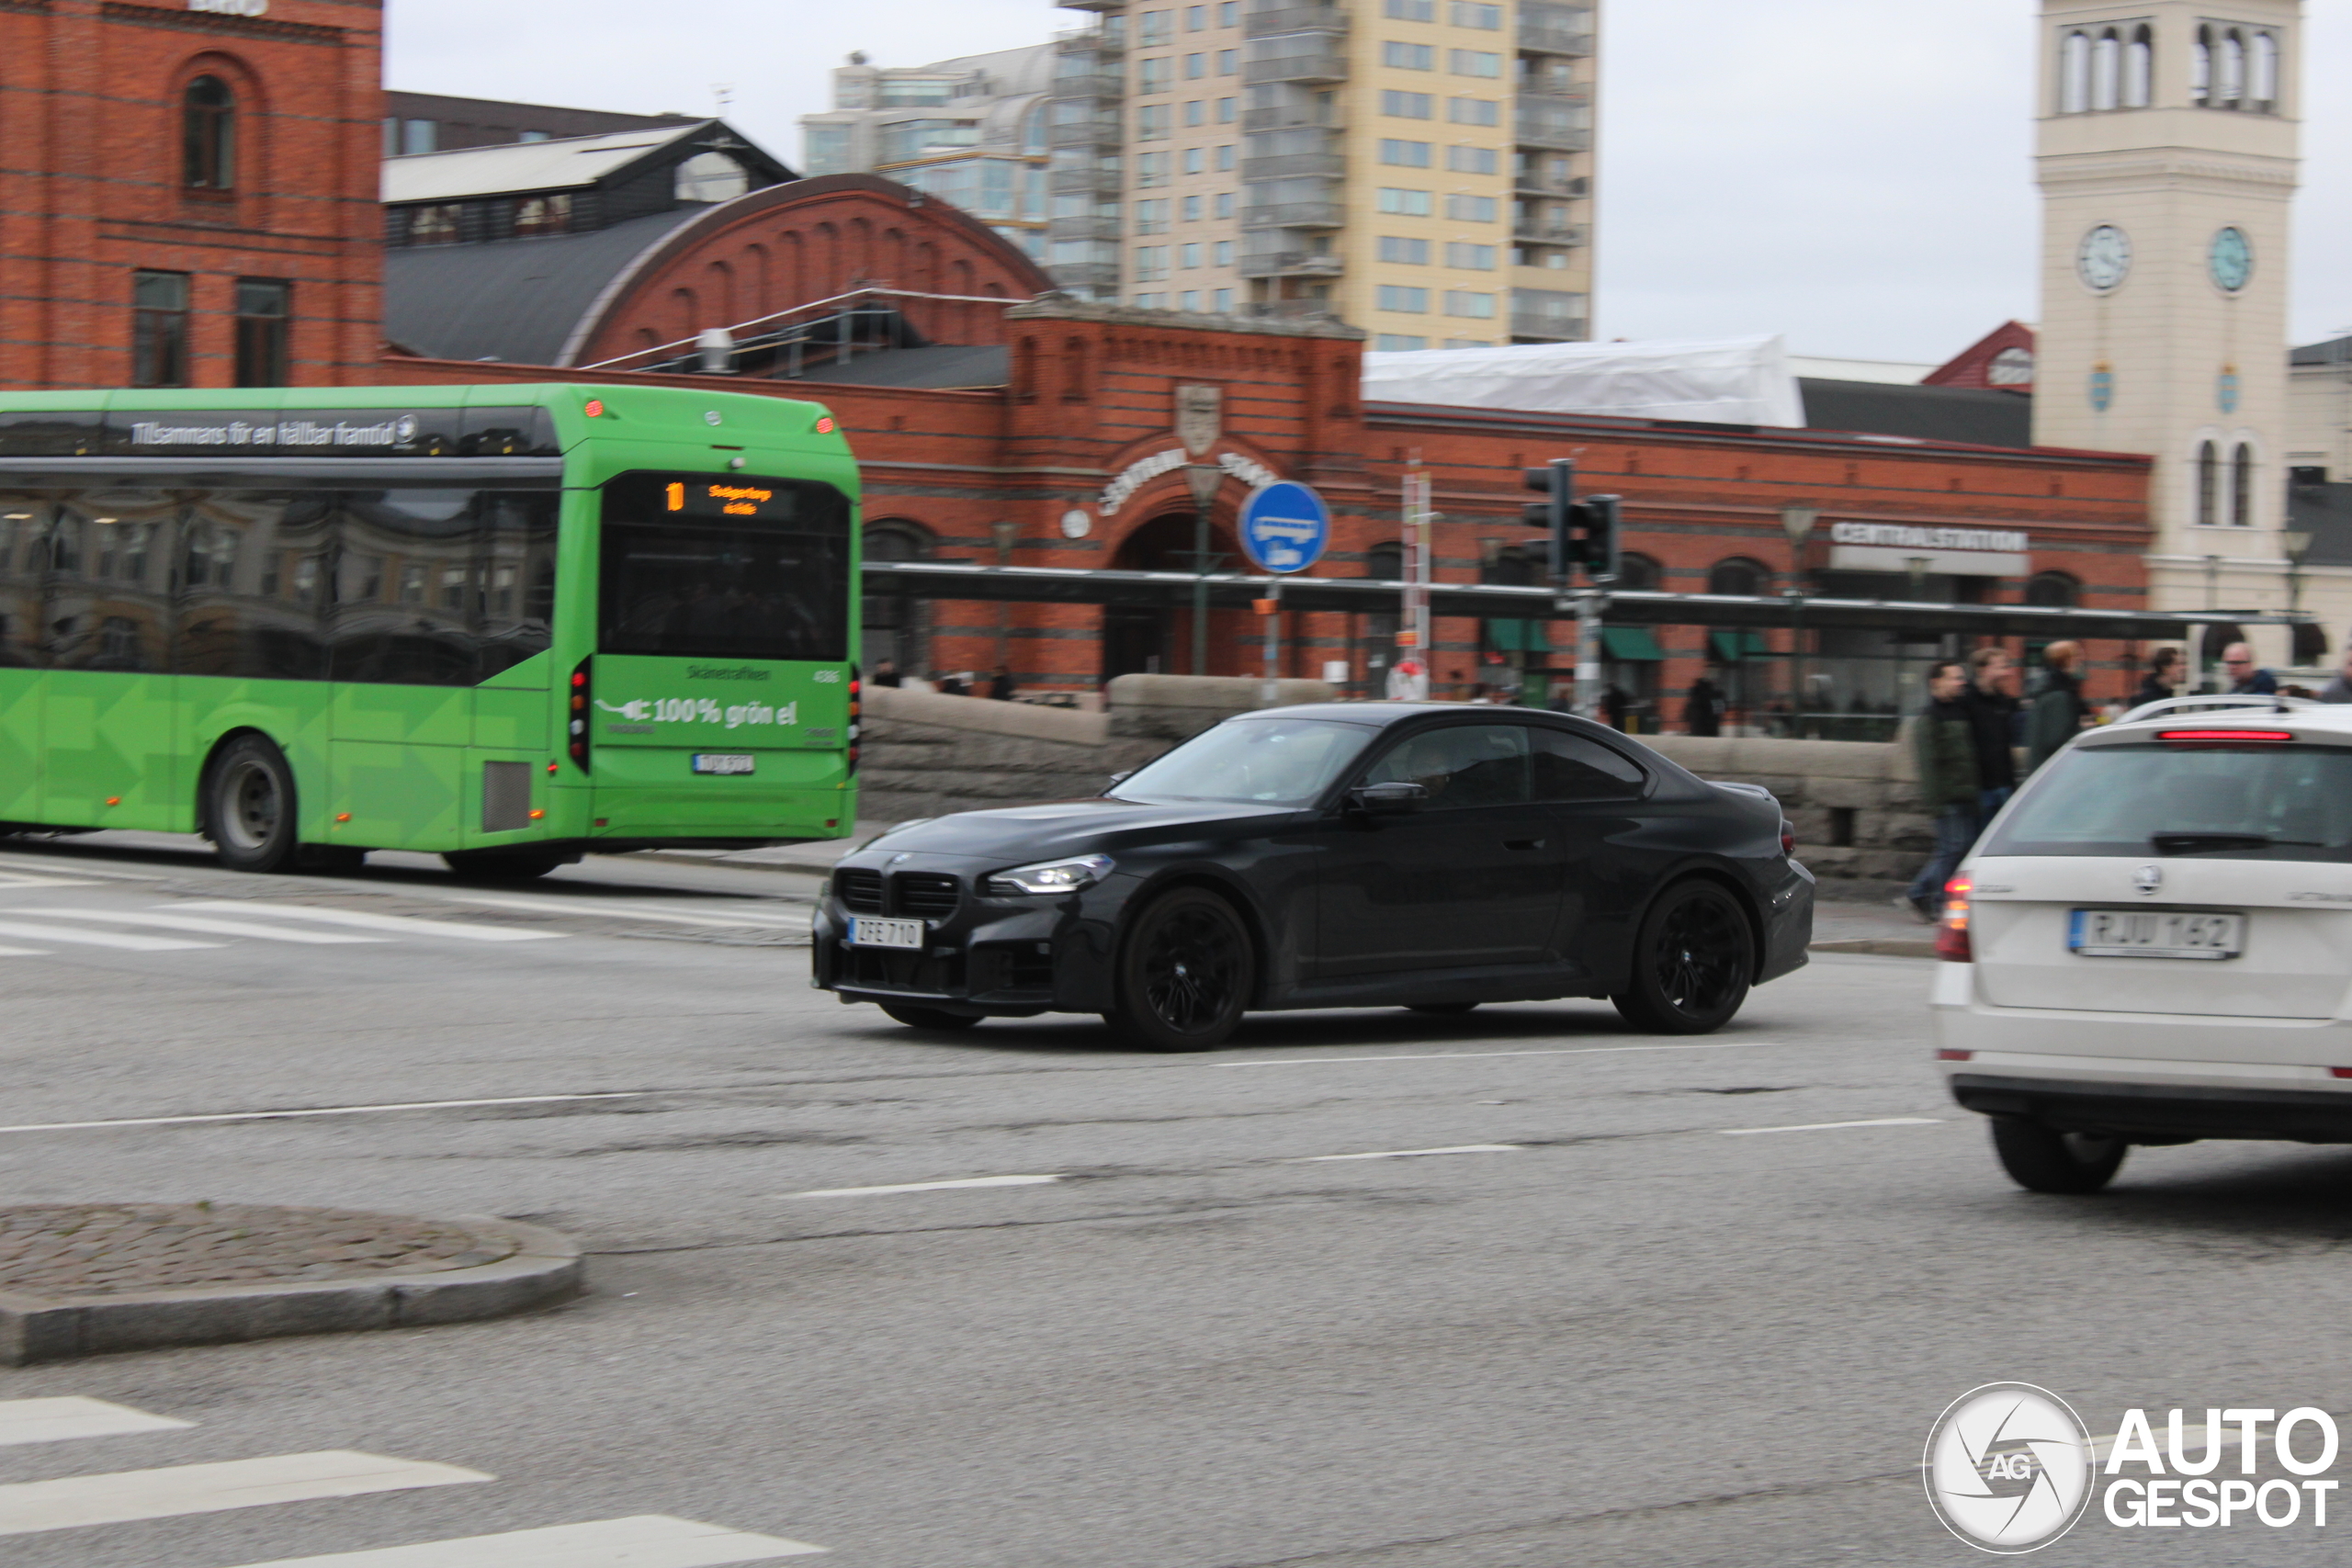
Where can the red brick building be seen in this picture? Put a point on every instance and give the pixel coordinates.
(191, 191)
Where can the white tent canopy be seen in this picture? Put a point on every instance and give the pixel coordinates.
(1743, 380)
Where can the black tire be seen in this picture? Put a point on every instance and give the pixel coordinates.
(929, 1018)
(502, 865)
(1693, 959)
(250, 812)
(1441, 1009)
(1185, 974)
(2043, 1159)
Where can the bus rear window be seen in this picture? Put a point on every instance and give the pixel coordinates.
(724, 567)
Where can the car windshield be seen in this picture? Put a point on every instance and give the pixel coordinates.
(1261, 762)
(2247, 800)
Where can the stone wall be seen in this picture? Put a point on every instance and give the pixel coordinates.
(1858, 822)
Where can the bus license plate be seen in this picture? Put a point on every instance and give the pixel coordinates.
(2155, 933)
(866, 931)
(720, 762)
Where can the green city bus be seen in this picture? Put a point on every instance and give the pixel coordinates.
(505, 623)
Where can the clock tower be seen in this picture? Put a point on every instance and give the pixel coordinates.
(2167, 146)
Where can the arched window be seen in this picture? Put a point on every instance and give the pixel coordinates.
(2052, 590)
(208, 135)
(2241, 486)
(2264, 89)
(2074, 73)
(896, 626)
(1744, 578)
(710, 177)
(2209, 484)
(2140, 69)
(1638, 573)
(2201, 68)
(2106, 71)
(2229, 84)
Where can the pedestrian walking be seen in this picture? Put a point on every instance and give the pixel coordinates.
(2057, 712)
(1001, 684)
(886, 674)
(1703, 706)
(1614, 705)
(1992, 725)
(1944, 740)
(951, 686)
(2162, 679)
(2340, 689)
(2246, 677)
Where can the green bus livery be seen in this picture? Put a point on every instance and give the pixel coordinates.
(508, 624)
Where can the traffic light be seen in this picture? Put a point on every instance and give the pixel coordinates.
(1599, 542)
(1556, 483)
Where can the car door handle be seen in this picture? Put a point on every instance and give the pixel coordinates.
(1523, 843)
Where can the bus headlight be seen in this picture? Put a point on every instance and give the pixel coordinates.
(1070, 876)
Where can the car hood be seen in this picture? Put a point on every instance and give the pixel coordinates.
(1020, 834)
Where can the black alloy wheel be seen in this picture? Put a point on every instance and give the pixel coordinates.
(502, 865)
(2043, 1159)
(249, 809)
(1692, 962)
(1185, 974)
(929, 1018)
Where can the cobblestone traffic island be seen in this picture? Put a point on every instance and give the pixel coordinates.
(82, 1279)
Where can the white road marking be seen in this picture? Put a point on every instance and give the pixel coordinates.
(1466, 1055)
(24, 952)
(627, 911)
(51, 1420)
(18, 879)
(648, 1541)
(1831, 1126)
(101, 939)
(323, 1111)
(42, 865)
(406, 925)
(925, 1186)
(207, 924)
(1413, 1154)
(32, 1505)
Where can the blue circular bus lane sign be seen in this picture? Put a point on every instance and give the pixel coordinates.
(1285, 527)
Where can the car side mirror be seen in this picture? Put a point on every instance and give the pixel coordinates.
(1391, 799)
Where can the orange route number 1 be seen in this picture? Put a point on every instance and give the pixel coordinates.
(677, 496)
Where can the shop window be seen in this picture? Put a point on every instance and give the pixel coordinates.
(208, 135)
(264, 318)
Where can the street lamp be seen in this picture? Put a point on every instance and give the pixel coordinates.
(1204, 478)
(1797, 523)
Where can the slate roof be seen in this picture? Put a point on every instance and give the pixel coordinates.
(512, 300)
(1979, 418)
(943, 367)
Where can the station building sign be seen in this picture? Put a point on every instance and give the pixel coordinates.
(1949, 552)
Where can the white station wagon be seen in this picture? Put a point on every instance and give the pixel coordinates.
(2151, 943)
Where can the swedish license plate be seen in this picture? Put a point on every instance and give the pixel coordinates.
(2155, 933)
(722, 762)
(866, 931)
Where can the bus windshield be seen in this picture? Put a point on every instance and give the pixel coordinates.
(732, 566)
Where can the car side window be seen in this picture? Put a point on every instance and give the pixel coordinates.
(1462, 764)
(1571, 767)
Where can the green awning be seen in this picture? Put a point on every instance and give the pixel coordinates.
(1630, 644)
(1517, 636)
(1732, 647)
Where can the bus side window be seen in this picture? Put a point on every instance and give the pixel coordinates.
(23, 519)
(106, 599)
(251, 590)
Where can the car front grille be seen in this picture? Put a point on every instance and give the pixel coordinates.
(860, 890)
(926, 893)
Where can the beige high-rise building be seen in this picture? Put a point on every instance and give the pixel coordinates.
(1418, 168)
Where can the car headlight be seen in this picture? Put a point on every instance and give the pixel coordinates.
(1051, 876)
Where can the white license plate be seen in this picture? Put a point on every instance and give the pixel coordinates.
(2155, 933)
(720, 762)
(864, 931)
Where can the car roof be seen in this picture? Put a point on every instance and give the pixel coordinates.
(1385, 713)
(2320, 721)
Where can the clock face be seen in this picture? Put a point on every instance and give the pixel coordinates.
(2231, 261)
(2104, 259)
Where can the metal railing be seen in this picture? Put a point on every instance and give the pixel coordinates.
(1085, 275)
(1281, 19)
(1294, 165)
(1532, 132)
(1083, 181)
(831, 323)
(1089, 40)
(1293, 117)
(1552, 233)
(1537, 37)
(1089, 85)
(1292, 263)
(1294, 215)
(1096, 226)
(1320, 65)
(1100, 130)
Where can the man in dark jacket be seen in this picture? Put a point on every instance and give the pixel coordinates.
(1992, 716)
(1943, 740)
(2058, 709)
(2246, 677)
(1703, 707)
(2162, 682)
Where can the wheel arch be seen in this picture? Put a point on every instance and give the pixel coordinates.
(1741, 894)
(220, 743)
(1253, 919)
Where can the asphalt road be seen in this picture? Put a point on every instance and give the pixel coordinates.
(1688, 1303)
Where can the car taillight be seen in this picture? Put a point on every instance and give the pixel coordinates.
(575, 727)
(1951, 931)
(855, 706)
(2265, 735)
(1788, 836)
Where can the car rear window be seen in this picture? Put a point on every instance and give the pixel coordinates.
(2287, 800)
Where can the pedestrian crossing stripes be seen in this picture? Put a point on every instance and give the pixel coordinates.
(122, 940)
(406, 925)
(82, 1502)
(208, 925)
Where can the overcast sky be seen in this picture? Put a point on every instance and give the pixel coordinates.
(1854, 173)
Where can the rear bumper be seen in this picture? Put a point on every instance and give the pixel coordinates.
(2162, 1111)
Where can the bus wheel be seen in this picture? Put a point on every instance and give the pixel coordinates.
(249, 806)
(502, 865)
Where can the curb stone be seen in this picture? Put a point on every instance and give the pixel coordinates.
(544, 1268)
